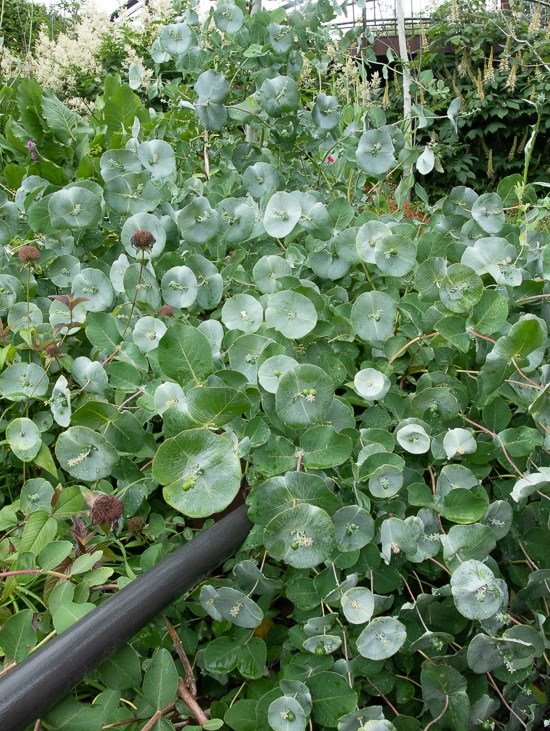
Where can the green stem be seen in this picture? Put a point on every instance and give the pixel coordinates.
(135, 294)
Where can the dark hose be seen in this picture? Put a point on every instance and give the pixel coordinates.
(47, 675)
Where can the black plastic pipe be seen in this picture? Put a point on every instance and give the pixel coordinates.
(47, 675)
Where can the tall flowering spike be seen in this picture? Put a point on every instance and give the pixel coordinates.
(142, 240)
(28, 254)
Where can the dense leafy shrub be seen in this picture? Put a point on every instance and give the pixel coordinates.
(213, 301)
(496, 62)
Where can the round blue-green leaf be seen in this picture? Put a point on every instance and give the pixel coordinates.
(460, 289)
(176, 38)
(304, 396)
(426, 161)
(21, 381)
(209, 279)
(286, 714)
(244, 352)
(143, 222)
(158, 157)
(371, 384)
(281, 215)
(299, 691)
(74, 208)
(200, 470)
(10, 291)
(237, 218)
(63, 270)
(458, 442)
(116, 162)
(375, 152)
(90, 375)
(373, 317)
(211, 86)
(279, 95)
(60, 402)
(24, 439)
(491, 255)
(326, 111)
(260, 178)
(354, 528)
(23, 315)
(281, 37)
(212, 115)
(85, 454)
(179, 287)
(243, 312)
(291, 313)
(228, 18)
(488, 212)
(132, 193)
(532, 482)
(499, 517)
(395, 255)
(147, 333)
(413, 438)
(368, 236)
(281, 492)
(206, 598)
(323, 644)
(358, 605)
(141, 283)
(302, 536)
(37, 494)
(386, 481)
(95, 286)
(476, 591)
(237, 608)
(267, 272)
(167, 395)
(272, 370)
(198, 221)
(135, 75)
(327, 265)
(382, 638)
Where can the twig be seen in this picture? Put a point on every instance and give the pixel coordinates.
(206, 156)
(503, 699)
(411, 342)
(522, 374)
(158, 714)
(383, 696)
(501, 445)
(185, 694)
(133, 396)
(189, 677)
(443, 712)
(483, 337)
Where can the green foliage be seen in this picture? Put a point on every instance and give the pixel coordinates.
(496, 62)
(213, 301)
(20, 21)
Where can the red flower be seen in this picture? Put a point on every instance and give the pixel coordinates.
(330, 158)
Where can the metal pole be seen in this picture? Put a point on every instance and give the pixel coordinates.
(47, 675)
